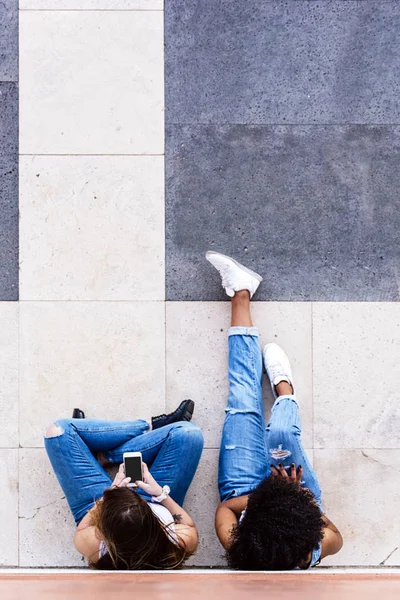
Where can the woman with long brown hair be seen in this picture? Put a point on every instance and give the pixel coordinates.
(117, 527)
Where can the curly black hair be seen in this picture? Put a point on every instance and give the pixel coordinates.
(281, 525)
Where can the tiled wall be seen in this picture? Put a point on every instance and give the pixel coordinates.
(102, 322)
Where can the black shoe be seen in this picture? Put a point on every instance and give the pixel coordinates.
(184, 412)
(78, 414)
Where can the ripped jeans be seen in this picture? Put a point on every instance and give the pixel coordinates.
(248, 447)
(172, 454)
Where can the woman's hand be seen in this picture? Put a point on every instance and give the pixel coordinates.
(120, 480)
(149, 484)
(294, 476)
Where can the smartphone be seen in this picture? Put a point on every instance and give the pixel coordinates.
(133, 467)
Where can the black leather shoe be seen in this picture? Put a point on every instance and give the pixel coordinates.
(78, 414)
(184, 412)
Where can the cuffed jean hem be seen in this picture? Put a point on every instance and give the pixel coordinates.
(253, 331)
(285, 397)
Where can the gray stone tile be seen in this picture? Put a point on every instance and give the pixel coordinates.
(282, 62)
(8, 226)
(315, 209)
(9, 40)
(361, 494)
(8, 118)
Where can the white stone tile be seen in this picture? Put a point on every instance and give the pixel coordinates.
(356, 350)
(46, 525)
(92, 228)
(9, 374)
(197, 357)
(106, 358)
(201, 502)
(91, 82)
(91, 4)
(9, 507)
(361, 495)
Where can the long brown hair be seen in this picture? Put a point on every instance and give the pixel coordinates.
(134, 537)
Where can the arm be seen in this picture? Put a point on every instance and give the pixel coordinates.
(227, 516)
(184, 525)
(86, 539)
(332, 541)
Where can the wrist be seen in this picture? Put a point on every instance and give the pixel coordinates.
(163, 495)
(158, 491)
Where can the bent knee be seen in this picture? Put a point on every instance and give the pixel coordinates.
(186, 429)
(53, 430)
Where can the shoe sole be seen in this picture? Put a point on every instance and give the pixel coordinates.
(187, 415)
(238, 264)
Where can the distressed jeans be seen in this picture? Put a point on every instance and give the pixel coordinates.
(248, 446)
(172, 454)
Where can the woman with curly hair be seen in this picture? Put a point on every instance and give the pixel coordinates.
(270, 516)
(119, 527)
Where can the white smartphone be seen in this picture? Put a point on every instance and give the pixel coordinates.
(133, 467)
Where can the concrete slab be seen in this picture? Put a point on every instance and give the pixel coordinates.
(196, 358)
(361, 496)
(356, 353)
(9, 392)
(201, 502)
(91, 5)
(9, 40)
(282, 62)
(92, 228)
(46, 526)
(100, 89)
(105, 358)
(8, 118)
(313, 209)
(9, 233)
(9, 507)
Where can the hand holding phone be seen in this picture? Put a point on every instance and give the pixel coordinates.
(149, 484)
(133, 467)
(120, 480)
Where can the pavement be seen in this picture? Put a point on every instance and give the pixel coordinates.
(134, 137)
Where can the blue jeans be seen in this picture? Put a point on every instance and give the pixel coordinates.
(172, 454)
(248, 447)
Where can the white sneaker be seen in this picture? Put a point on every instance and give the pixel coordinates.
(235, 277)
(277, 366)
